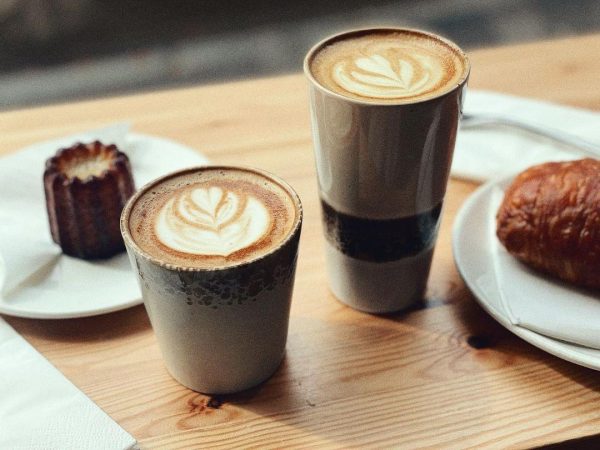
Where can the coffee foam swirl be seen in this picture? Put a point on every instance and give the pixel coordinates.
(212, 217)
(211, 221)
(398, 74)
(388, 66)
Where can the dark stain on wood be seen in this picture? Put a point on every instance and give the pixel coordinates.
(480, 342)
(214, 402)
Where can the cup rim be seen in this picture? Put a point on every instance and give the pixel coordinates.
(358, 31)
(126, 213)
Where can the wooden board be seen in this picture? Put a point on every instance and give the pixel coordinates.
(445, 375)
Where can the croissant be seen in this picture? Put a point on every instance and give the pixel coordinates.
(550, 220)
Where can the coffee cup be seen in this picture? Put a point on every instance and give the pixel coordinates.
(385, 105)
(214, 249)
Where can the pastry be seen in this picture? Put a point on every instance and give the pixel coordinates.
(86, 188)
(550, 219)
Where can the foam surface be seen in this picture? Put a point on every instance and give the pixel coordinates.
(388, 66)
(211, 221)
(212, 217)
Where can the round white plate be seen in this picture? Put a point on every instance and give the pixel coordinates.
(472, 247)
(68, 287)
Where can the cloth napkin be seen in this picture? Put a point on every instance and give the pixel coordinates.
(41, 409)
(36, 279)
(530, 300)
(494, 151)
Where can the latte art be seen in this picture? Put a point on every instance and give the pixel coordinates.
(396, 76)
(389, 66)
(213, 217)
(211, 221)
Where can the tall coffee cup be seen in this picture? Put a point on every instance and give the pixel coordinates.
(215, 249)
(385, 105)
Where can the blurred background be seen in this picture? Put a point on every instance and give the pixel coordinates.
(62, 50)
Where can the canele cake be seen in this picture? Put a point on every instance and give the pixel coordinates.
(86, 187)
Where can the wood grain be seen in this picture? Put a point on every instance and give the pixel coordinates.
(349, 379)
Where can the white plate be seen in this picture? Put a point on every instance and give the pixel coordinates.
(71, 287)
(472, 247)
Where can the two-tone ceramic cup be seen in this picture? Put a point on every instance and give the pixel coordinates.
(385, 105)
(215, 249)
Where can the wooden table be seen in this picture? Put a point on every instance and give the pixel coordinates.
(446, 375)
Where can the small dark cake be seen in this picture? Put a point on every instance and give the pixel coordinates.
(86, 187)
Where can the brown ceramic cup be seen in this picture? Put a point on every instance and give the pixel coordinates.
(220, 330)
(382, 171)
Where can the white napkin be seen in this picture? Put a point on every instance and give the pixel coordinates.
(36, 279)
(493, 151)
(41, 409)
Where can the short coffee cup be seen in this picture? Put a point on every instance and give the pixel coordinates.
(214, 249)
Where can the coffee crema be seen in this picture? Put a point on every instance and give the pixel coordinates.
(388, 66)
(212, 217)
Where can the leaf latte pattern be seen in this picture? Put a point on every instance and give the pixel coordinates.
(394, 74)
(211, 221)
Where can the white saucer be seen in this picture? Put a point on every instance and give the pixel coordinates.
(70, 287)
(472, 248)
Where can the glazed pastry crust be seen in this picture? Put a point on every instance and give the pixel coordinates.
(550, 219)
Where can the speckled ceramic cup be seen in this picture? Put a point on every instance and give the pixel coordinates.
(220, 330)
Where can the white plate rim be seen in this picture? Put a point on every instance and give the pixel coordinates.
(563, 350)
(29, 314)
